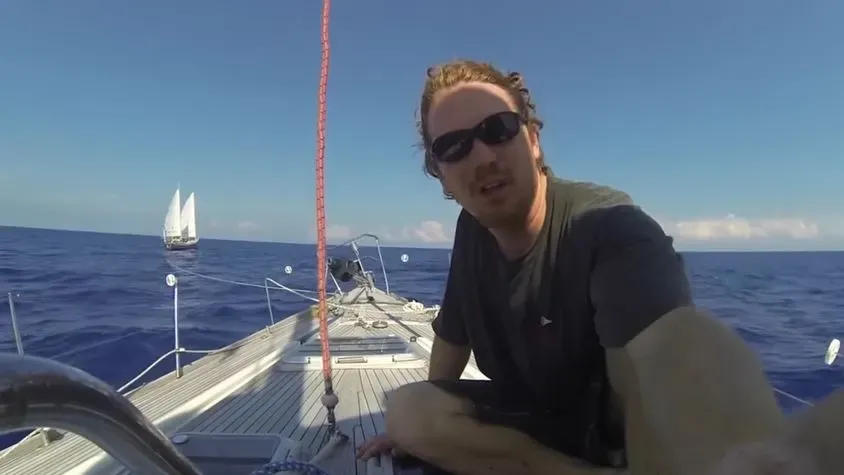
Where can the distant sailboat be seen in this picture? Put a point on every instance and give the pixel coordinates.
(180, 225)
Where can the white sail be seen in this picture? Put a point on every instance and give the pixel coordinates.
(172, 222)
(188, 218)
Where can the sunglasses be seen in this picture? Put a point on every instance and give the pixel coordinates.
(496, 129)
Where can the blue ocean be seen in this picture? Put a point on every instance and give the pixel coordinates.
(99, 301)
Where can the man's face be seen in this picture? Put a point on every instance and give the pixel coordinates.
(487, 157)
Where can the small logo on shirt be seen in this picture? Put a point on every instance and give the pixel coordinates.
(544, 321)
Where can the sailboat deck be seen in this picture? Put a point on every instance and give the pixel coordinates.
(285, 400)
(267, 383)
(288, 404)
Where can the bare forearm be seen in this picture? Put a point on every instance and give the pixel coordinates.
(701, 391)
(818, 431)
(447, 360)
(482, 449)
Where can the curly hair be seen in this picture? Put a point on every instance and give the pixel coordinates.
(451, 74)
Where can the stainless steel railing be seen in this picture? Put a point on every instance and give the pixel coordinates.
(37, 392)
(15, 330)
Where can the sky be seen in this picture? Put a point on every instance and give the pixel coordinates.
(723, 119)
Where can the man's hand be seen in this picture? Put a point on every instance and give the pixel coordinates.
(378, 445)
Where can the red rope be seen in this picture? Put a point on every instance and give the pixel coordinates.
(320, 197)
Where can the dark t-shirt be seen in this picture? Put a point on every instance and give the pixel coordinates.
(601, 271)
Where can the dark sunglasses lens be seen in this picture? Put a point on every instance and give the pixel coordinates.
(452, 146)
(494, 130)
(499, 128)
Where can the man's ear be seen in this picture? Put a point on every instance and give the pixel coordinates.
(533, 141)
(446, 194)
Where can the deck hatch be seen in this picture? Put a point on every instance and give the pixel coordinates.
(356, 346)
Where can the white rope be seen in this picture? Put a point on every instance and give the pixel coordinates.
(161, 358)
(301, 293)
(419, 307)
(75, 351)
(793, 397)
(244, 284)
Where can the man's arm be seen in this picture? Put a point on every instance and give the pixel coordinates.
(447, 360)
(450, 349)
(691, 388)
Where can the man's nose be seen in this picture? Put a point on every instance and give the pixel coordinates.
(482, 153)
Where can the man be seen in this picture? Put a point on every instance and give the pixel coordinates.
(579, 311)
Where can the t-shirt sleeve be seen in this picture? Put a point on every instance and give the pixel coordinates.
(449, 323)
(637, 276)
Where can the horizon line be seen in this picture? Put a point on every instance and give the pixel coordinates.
(407, 245)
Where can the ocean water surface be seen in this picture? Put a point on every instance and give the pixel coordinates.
(99, 301)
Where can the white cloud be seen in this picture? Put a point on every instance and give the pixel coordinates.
(429, 232)
(247, 226)
(338, 232)
(424, 232)
(334, 232)
(729, 232)
(734, 228)
(387, 234)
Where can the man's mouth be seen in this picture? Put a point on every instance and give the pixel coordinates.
(492, 186)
